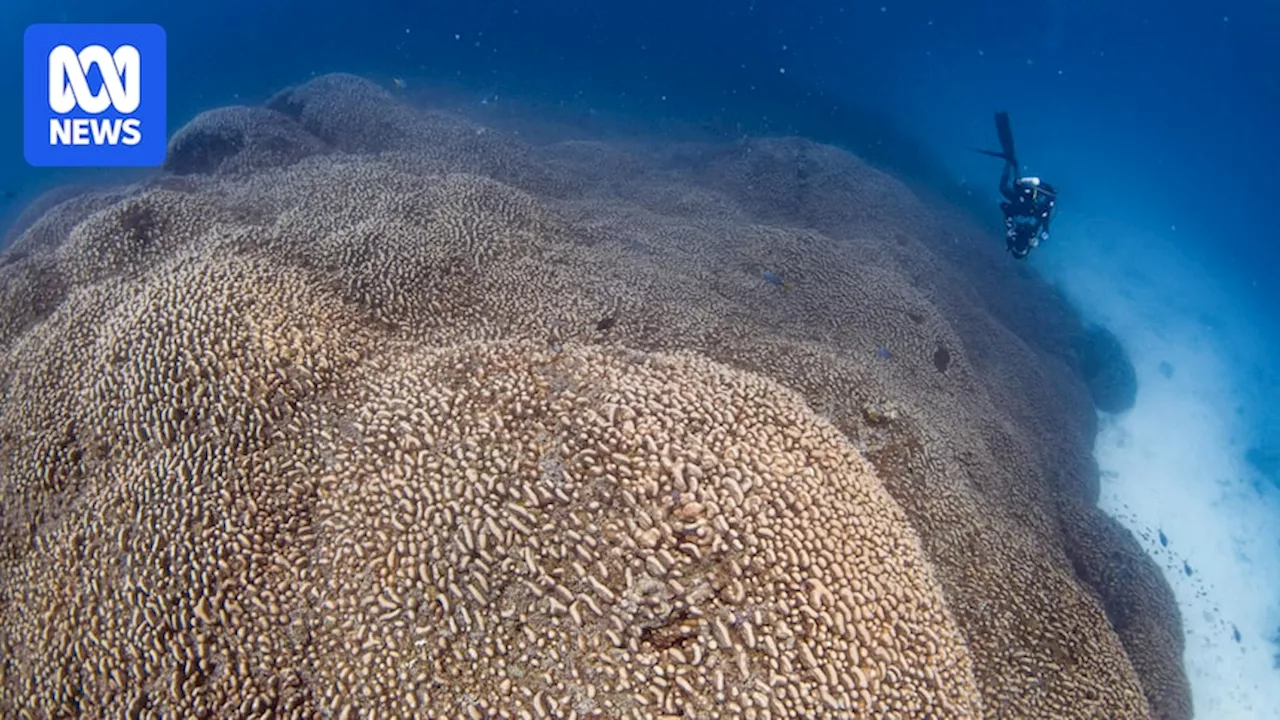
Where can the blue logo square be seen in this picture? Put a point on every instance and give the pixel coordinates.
(94, 95)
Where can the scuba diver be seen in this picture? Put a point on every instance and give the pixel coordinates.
(1029, 202)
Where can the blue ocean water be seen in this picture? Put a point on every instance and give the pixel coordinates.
(1156, 121)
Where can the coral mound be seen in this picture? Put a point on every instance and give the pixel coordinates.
(364, 410)
(1112, 380)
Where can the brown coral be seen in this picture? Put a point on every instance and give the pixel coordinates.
(238, 140)
(333, 434)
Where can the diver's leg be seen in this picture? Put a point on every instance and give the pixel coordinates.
(1006, 182)
(1005, 131)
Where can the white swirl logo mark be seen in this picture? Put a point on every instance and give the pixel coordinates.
(69, 87)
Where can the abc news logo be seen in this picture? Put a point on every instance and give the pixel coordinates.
(69, 90)
(94, 95)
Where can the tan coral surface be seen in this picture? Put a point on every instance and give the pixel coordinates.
(359, 408)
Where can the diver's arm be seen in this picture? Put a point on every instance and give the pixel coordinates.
(1050, 206)
(1042, 222)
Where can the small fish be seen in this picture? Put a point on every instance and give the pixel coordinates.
(1186, 568)
(400, 83)
(606, 323)
(1235, 633)
(774, 278)
(883, 353)
(1163, 539)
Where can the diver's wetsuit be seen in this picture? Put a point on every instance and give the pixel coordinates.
(1027, 210)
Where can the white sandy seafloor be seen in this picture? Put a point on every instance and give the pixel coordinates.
(1176, 461)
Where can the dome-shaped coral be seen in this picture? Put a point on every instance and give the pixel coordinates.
(351, 433)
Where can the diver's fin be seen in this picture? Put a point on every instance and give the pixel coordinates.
(1005, 132)
(992, 153)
